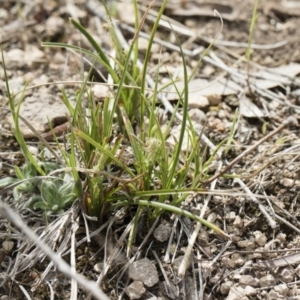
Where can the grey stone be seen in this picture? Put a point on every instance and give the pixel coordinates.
(162, 232)
(145, 271)
(100, 92)
(135, 290)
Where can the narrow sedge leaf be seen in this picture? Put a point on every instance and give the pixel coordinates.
(146, 61)
(135, 144)
(184, 115)
(91, 40)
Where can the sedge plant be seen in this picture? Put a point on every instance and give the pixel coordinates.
(103, 135)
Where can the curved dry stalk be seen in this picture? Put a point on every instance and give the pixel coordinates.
(263, 210)
(185, 261)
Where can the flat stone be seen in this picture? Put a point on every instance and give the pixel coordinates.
(40, 109)
(145, 271)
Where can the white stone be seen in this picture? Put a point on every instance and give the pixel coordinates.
(39, 110)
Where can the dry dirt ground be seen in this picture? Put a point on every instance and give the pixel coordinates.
(261, 260)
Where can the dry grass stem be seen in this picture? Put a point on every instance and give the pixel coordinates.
(62, 266)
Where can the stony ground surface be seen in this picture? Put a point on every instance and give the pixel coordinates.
(261, 261)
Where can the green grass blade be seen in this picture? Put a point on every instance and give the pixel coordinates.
(87, 138)
(146, 61)
(94, 44)
(184, 118)
(179, 211)
(93, 56)
(15, 115)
